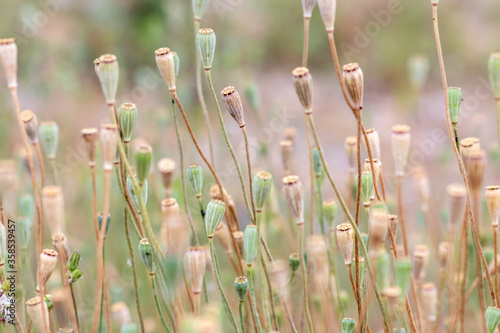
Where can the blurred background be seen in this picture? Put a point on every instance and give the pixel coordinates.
(259, 42)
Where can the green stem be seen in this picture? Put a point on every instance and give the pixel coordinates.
(353, 225)
(215, 264)
(498, 119)
(53, 170)
(304, 278)
(252, 294)
(455, 130)
(157, 303)
(242, 319)
(102, 289)
(229, 146)
(249, 167)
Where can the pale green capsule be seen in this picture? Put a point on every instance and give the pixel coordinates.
(494, 72)
(214, 214)
(199, 8)
(195, 177)
(492, 318)
(49, 136)
(127, 118)
(106, 68)
(454, 101)
(250, 243)
(348, 325)
(261, 186)
(205, 41)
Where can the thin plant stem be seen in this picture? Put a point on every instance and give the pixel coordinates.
(401, 215)
(201, 97)
(311, 176)
(183, 181)
(242, 318)
(225, 301)
(94, 200)
(39, 157)
(414, 295)
(53, 171)
(480, 287)
(157, 303)
(475, 235)
(249, 167)
(304, 278)
(442, 278)
(305, 49)
(358, 203)
(251, 284)
(495, 245)
(497, 102)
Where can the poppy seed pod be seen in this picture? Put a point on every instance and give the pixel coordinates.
(457, 194)
(400, 148)
(213, 216)
(239, 238)
(205, 41)
(241, 287)
(454, 101)
(8, 57)
(350, 146)
(374, 141)
(445, 250)
(166, 65)
(30, 125)
(492, 195)
(233, 103)
(352, 75)
(330, 212)
(366, 187)
(261, 188)
(195, 177)
(109, 143)
(49, 136)
(61, 246)
(177, 63)
(420, 259)
(194, 261)
(476, 164)
(294, 261)
(251, 244)
(307, 7)
(402, 274)
(53, 208)
(199, 8)
(127, 117)
(90, 137)
(494, 73)
(39, 314)
(327, 9)
(146, 254)
(48, 262)
(348, 325)
(423, 189)
(166, 167)
(143, 156)
(430, 301)
(223, 237)
(303, 82)
(418, 70)
(287, 156)
(121, 313)
(379, 221)
(107, 71)
(345, 240)
(492, 318)
(294, 194)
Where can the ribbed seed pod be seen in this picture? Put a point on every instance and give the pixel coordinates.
(466, 146)
(194, 261)
(8, 57)
(251, 244)
(330, 212)
(287, 153)
(195, 177)
(30, 125)
(238, 237)
(223, 237)
(352, 75)
(350, 150)
(457, 194)
(241, 287)
(214, 214)
(199, 8)
(48, 262)
(127, 118)
(177, 63)
(492, 315)
(307, 7)
(294, 261)
(402, 274)
(454, 101)
(294, 194)
(430, 301)
(143, 156)
(393, 295)
(166, 65)
(39, 314)
(366, 187)
(215, 193)
(90, 137)
(61, 246)
(166, 167)
(418, 70)
(121, 313)
(303, 82)
(400, 148)
(53, 208)
(49, 137)
(420, 260)
(205, 41)
(261, 186)
(374, 141)
(422, 185)
(494, 73)
(348, 325)
(327, 9)
(492, 195)
(146, 254)
(233, 104)
(379, 221)
(345, 240)
(476, 164)
(393, 223)
(107, 71)
(445, 253)
(109, 143)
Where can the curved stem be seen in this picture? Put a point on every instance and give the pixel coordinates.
(157, 303)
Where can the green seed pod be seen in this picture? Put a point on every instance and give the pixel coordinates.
(344, 299)
(6, 285)
(261, 186)
(418, 70)
(49, 301)
(195, 177)
(205, 40)
(348, 325)
(133, 194)
(26, 205)
(49, 136)
(253, 96)
(65, 330)
(213, 216)
(366, 187)
(199, 8)
(402, 274)
(494, 71)
(454, 101)
(23, 231)
(251, 244)
(146, 253)
(127, 117)
(294, 262)
(108, 222)
(74, 261)
(492, 318)
(74, 276)
(319, 172)
(143, 156)
(399, 330)
(177, 63)
(106, 68)
(330, 210)
(128, 328)
(241, 287)
(383, 270)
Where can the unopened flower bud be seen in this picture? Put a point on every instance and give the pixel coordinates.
(74, 276)
(233, 103)
(303, 82)
(107, 71)
(74, 261)
(205, 41)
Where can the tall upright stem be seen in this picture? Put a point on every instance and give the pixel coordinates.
(39, 157)
(157, 303)
(497, 102)
(304, 278)
(305, 49)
